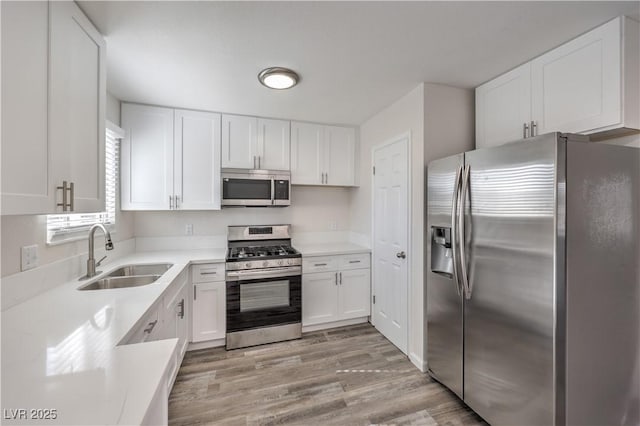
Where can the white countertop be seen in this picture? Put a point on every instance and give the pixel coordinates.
(59, 349)
(328, 249)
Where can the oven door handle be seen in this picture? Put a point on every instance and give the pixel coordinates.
(264, 273)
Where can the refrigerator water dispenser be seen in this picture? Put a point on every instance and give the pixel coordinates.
(441, 255)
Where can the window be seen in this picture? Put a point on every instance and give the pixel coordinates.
(67, 227)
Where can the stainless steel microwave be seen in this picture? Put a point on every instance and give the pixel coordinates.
(257, 188)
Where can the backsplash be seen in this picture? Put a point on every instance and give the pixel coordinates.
(313, 209)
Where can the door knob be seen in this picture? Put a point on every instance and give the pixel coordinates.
(401, 255)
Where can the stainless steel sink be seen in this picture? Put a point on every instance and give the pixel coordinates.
(141, 269)
(129, 276)
(120, 282)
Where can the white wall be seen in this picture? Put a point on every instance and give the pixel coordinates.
(19, 231)
(313, 209)
(440, 120)
(449, 128)
(405, 115)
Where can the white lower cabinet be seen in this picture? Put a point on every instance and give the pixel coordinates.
(319, 297)
(175, 322)
(353, 297)
(209, 302)
(335, 288)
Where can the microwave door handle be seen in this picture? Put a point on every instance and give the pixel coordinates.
(273, 191)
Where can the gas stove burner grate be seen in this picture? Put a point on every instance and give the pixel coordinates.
(262, 251)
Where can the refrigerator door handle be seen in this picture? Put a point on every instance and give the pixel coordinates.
(454, 227)
(462, 232)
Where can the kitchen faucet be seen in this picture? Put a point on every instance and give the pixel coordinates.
(108, 245)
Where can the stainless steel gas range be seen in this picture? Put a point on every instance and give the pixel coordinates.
(264, 286)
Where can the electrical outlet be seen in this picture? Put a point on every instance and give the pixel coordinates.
(333, 225)
(29, 257)
(188, 230)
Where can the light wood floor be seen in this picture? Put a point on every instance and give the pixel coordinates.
(344, 376)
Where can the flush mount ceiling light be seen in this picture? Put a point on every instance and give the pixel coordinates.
(278, 78)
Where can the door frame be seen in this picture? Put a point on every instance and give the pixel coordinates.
(400, 137)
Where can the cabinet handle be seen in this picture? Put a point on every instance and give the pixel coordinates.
(336, 278)
(534, 126)
(149, 329)
(340, 278)
(254, 161)
(259, 161)
(326, 178)
(208, 273)
(72, 195)
(181, 312)
(525, 131)
(319, 264)
(177, 199)
(170, 202)
(195, 293)
(354, 261)
(64, 195)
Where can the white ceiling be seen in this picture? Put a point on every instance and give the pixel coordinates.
(354, 58)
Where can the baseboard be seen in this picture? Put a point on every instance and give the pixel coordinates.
(418, 362)
(216, 343)
(334, 324)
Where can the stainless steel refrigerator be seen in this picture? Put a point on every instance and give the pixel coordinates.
(533, 281)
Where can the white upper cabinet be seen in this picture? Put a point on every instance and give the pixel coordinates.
(239, 142)
(26, 187)
(197, 160)
(340, 151)
(255, 143)
(503, 108)
(589, 85)
(579, 87)
(306, 153)
(77, 90)
(53, 107)
(322, 155)
(273, 149)
(146, 157)
(170, 159)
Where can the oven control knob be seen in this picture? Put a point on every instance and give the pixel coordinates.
(248, 264)
(280, 262)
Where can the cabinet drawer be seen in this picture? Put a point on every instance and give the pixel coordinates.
(319, 264)
(355, 261)
(207, 272)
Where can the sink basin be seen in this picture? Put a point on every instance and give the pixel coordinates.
(120, 282)
(140, 269)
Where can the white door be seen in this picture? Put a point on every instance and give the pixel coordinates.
(274, 139)
(354, 299)
(340, 151)
(576, 87)
(390, 239)
(307, 149)
(239, 142)
(77, 101)
(503, 108)
(319, 297)
(146, 157)
(197, 160)
(25, 177)
(209, 311)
